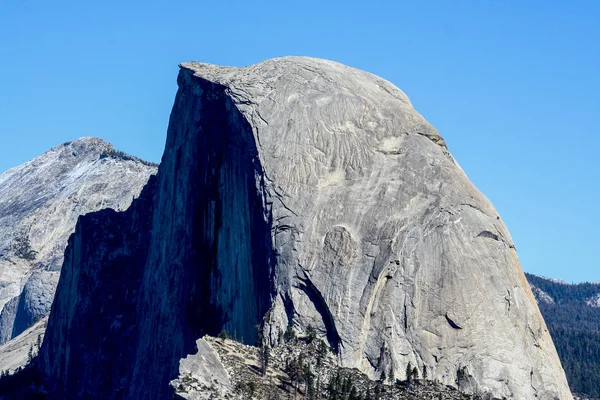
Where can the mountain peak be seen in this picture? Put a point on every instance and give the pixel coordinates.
(89, 148)
(87, 141)
(40, 202)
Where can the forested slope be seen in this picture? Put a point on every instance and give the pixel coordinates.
(572, 313)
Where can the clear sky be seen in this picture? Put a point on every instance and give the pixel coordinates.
(512, 85)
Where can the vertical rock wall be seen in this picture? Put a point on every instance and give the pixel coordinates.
(209, 265)
(300, 192)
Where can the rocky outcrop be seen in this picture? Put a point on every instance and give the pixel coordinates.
(40, 202)
(593, 301)
(541, 296)
(225, 369)
(202, 376)
(300, 193)
(17, 353)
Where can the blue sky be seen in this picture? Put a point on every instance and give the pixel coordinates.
(513, 86)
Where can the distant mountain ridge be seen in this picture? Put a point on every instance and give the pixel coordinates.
(557, 291)
(572, 314)
(40, 202)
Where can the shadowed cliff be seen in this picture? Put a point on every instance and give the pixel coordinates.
(192, 259)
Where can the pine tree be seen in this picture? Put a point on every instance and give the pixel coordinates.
(377, 393)
(223, 334)
(311, 334)
(354, 394)
(264, 358)
(30, 354)
(409, 369)
(251, 389)
(346, 387)
(290, 335)
(309, 379)
(383, 378)
(321, 353)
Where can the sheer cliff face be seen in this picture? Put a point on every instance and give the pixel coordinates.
(210, 259)
(300, 192)
(40, 202)
(380, 239)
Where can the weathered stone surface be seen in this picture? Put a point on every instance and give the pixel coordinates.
(15, 353)
(40, 202)
(301, 192)
(378, 230)
(202, 375)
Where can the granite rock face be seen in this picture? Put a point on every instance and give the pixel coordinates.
(292, 193)
(202, 376)
(40, 202)
(15, 353)
(91, 335)
(380, 239)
